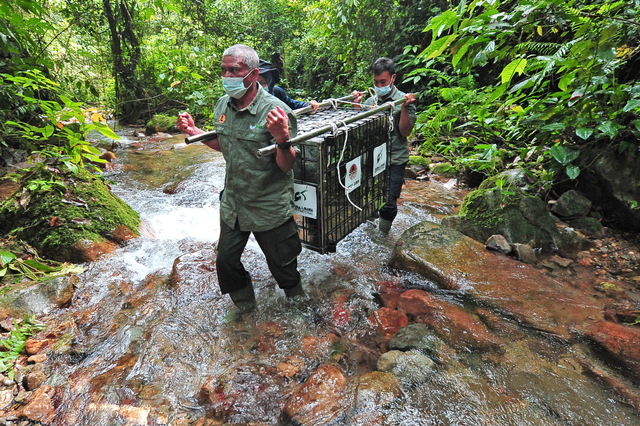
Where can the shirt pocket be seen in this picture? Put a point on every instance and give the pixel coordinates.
(256, 139)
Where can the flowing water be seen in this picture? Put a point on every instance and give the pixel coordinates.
(141, 343)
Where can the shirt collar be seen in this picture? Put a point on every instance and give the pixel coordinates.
(252, 108)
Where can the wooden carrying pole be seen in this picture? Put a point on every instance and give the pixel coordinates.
(268, 150)
(321, 106)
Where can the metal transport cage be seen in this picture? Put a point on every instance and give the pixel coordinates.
(326, 211)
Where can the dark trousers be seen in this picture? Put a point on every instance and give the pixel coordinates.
(396, 180)
(281, 246)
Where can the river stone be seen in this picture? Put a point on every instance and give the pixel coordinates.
(619, 341)
(572, 204)
(6, 396)
(33, 380)
(389, 321)
(39, 298)
(520, 218)
(320, 400)
(460, 329)
(411, 368)
(456, 262)
(499, 244)
(415, 336)
(377, 389)
(524, 253)
(590, 226)
(38, 407)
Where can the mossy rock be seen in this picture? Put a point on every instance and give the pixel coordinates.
(56, 218)
(160, 123)
(419, 160)
(519, 217)
(442, 168)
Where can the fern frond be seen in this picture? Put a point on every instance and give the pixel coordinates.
(539, 47)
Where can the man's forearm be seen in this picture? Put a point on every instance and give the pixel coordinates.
(405, 125)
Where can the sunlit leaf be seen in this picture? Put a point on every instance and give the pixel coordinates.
(175, 83)
(584, 132)
(539, 29)
(40, 266)
(6, 257)
(632, 104)
(515, 67)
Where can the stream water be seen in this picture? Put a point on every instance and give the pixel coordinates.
(142, 342)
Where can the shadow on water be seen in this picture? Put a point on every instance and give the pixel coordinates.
(150, 340)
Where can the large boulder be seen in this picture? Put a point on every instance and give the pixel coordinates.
(610, 180)
(67, 216)
(161, 123)
(519, 217)
(456, 262)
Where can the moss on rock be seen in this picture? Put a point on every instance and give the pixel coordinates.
(160, 123)
(53, 218)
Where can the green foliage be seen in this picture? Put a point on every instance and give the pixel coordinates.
(549, 70)
(15, 343)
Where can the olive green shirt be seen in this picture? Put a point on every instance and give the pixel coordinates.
(258, 195)
(399, 143)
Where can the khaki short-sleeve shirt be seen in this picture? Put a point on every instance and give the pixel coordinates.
(258, 195)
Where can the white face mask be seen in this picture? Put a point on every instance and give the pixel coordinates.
(234, 86)
(384, 90)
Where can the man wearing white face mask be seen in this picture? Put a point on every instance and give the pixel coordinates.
(258, 194)
(404, 117)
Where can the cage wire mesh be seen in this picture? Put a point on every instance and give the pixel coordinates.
(324, 213)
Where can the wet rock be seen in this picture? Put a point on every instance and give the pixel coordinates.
(33, 380)
(6, 396)
(498, 243)
(320, 400)
(619, 341)
(121, 234)
(389, 293)
(415, 336)
(38, 407)
(410, 368)
(34, 345)
(39, 298)
(39, 358)
(524, 253)
(572, 204)
(589, 226)
(456, 262)
(88, 251)
(389, 321)
(195, 272)
(520, 218)
(410, 173)
(460, 329)
(377, 389)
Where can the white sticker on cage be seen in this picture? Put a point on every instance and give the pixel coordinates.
(304, 201)
(379, 159)
(354, 174)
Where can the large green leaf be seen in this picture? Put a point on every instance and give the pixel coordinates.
(632, 104)
(515, 67)
(584, 132)
(6, 257)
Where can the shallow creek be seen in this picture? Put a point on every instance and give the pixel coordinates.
(143, 342)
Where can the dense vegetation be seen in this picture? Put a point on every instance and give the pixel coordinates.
(531, 83)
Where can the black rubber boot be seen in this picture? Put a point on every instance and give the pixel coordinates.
(295, 291)
(384, 226)
(244, 299)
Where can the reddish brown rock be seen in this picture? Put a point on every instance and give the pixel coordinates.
(460, 329)
(377, 389)
(389, 321)
(418, 302)
(33, 345)
(88, 251)
(456, 262)
(33, 380)
(320, 400)
(389, 293)
(122, 234)
(38, 407)
(619, 341)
